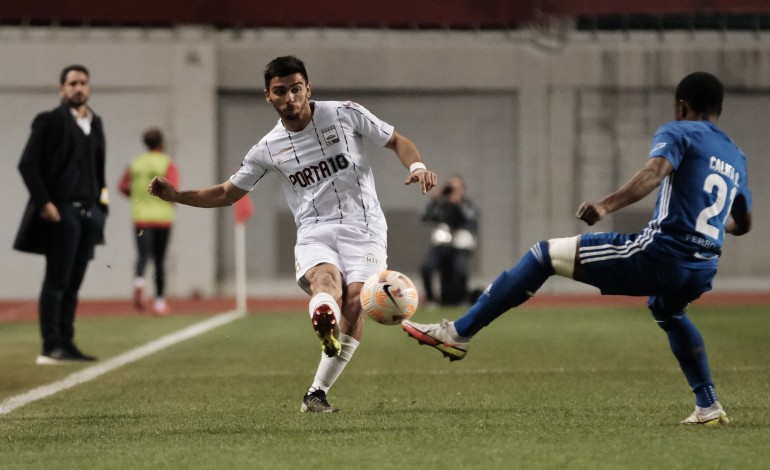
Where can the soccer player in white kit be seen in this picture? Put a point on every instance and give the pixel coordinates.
(316, 148)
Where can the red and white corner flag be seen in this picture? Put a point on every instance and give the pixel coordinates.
(244, 208)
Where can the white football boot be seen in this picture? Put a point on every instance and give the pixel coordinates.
(441, 336)
(714, 415)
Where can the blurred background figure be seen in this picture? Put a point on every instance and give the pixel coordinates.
(453, 241)
(63, 168)
(152, 217)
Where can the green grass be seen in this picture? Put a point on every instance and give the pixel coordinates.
(542, 388)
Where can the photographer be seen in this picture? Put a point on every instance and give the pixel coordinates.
(453, 240)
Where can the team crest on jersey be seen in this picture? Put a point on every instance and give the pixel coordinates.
(330, 135)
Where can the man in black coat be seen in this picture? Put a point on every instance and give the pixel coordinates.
(63, 168)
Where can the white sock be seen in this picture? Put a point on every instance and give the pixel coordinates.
(456, 336)
(139, 282)
(324, 298)
(330, 368)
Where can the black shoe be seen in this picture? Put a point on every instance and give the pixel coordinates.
(315, 402)
(55, 356)
(78, 354)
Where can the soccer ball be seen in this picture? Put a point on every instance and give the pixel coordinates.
(389, 297)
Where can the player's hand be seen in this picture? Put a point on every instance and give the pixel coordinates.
(591, 213)
(162, 188)
(50, 213)
(426, 178)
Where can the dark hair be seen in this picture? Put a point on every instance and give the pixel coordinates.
(66, 70)
(153, 138)
(283, 67)
(702, 91)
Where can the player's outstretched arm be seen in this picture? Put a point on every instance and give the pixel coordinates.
(408, 155)
(221, 195)
(639, 186)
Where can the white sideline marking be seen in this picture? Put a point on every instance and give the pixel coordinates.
(93, 372)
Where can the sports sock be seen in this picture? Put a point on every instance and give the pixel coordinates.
(323, 298)
(510, 289)
(330, 368)
(689, 349)
(705, 396)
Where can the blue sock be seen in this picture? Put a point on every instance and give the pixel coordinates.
(688, 347)
(510, 289)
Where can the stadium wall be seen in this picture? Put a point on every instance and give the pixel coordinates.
(564, 116)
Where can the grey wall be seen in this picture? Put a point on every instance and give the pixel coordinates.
(139, 79)
(536, 123)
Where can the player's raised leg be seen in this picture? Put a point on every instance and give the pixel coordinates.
(510, 289)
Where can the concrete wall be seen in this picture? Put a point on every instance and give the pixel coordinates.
(164, 78)
(586, 106)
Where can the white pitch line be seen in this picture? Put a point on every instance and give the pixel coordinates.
(93, 372)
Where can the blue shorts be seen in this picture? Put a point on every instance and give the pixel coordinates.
(617, 265)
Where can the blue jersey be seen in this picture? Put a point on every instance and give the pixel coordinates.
(694, 201)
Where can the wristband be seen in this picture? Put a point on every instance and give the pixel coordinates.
(417, 166)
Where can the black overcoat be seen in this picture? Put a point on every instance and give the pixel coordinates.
(46, 166)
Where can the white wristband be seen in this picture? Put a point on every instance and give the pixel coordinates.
(417, 166)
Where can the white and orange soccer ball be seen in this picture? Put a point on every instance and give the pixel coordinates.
(389, 297)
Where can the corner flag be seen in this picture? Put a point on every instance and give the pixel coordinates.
(244, 208)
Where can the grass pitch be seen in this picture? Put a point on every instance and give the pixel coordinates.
(583, 387)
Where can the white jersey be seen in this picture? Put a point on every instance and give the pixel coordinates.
(325, 174)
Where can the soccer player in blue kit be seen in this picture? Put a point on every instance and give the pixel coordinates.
(703, 194)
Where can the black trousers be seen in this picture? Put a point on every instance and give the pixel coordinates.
(70, 246)
(153, 242)
(453, 266)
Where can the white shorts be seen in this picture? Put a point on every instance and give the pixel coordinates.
(357, 252)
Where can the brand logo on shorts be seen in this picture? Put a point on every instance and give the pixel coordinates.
(330, 135)
(371, 259)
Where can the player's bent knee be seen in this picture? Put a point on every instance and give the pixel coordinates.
(667, 323)
(562, 251)
(666, 315)
(324, 277)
